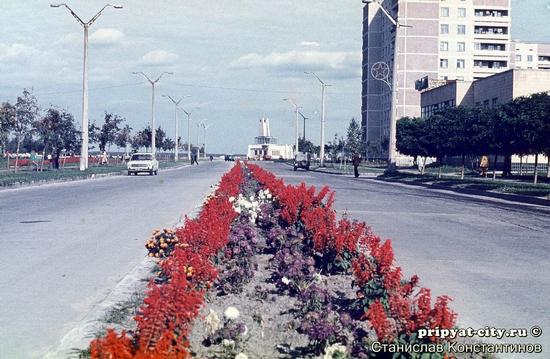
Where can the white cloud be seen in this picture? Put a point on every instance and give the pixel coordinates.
(159, 57)
(106, 36)
(17, 52)
(337, 63)
(310, 44)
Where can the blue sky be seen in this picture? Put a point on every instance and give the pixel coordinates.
(236, 58)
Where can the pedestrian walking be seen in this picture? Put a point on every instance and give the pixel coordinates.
(194, 160)
(356, 161)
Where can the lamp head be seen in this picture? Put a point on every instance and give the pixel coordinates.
(118, 6)
(56, 5)
(368, 1)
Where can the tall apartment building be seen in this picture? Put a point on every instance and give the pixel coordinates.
(441, 39)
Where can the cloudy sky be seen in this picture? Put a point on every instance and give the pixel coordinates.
(237, 59)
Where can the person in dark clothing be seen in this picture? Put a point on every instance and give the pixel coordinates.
(356, 161)
(194, 158)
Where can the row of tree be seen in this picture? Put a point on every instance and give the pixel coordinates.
(339, 146)
(521, 127)
(24, 127)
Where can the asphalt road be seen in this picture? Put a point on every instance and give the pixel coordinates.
(64, 246)
(492, 258)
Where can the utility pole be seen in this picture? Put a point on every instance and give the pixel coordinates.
(188, 113)
(296, 124)
(85, 121)
(176, 103)
(304, 130)
(153, 128)
(322, 149)
(205, 127)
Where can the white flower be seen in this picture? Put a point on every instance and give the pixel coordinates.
(269, 196)
(285, 280)
(245, 330)
(212, 322)
(335, 350)
(251, 198)
(228, 343)
(241, 356)
(231, 313)
(238, 210)
(231, 199)
(317, 278)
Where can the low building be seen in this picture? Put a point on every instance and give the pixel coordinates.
(490, 91)
(265, 146)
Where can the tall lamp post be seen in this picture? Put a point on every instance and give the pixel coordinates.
(153, 129)
(296, 125)
(323, 86)
(205, 127)
(86, 26)
(304, 130)
(176, 103)
(392, 150)
(188, 113)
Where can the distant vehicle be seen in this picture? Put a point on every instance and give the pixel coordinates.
(142, 162)
(229, 158)
(302, 160)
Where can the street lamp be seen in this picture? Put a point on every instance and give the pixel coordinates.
(323, 85)
(86, 26)
(188, 113)
(304, 130)
(296, 125)
(153, 129)
(392, 150)
(205, 127)
(176, 103)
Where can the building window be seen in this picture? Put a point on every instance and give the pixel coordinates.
(444, 46)
(460, 46)
(529, 58)
(477, 46)
(518, 58)
(461, 29)
(461, 12)
(444, 28)
(444, 63)
(444, 12)
(460, 63)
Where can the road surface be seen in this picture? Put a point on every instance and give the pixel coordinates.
(64, 246)
(492, 257)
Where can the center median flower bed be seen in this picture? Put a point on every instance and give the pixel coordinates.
(331, 283)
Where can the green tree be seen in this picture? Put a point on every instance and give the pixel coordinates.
(7, 119)
(93, 134)
(354, 142)
(124, 138)
(59, 133)
(109, 130)
(168, 144)
(26, 111)
(306, 146)
(410, 138)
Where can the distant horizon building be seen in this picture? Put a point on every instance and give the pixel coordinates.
(265, 146)
(441, 40)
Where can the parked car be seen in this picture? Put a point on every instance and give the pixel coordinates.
(229, 158)
(302, 160)
(143, 162)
